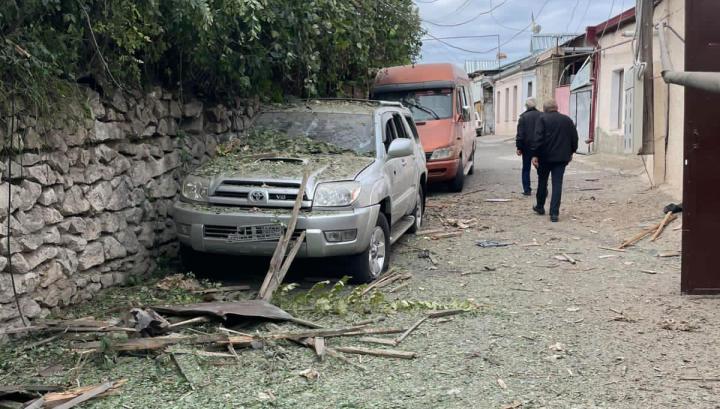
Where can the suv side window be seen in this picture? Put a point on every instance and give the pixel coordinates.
(400, 126)
(390, 132)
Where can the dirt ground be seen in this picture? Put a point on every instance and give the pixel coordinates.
(601, 333)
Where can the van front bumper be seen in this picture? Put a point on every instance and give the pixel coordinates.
(192, 222)
(442, 170)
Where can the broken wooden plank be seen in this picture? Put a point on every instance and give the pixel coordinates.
(319, 345)
(381, 341)
(58, 400)
(446, 235)
(386, 353)
(405, 334)
(306, 323)
(666, 220)
(612, 249)
(570, 259)
(430, 232)
(191, 321)
(149, 344)
(279, 275)
(310, 343)
(498, 200)
(445, 313)
(669, 254)
(225, 289)
(281, 249)
(337, 332)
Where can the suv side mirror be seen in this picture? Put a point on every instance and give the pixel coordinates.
(399, 148)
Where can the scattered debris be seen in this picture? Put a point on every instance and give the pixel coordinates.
(514, 405)
(381, 341)
(713, 379)
(492, 244)
(668, 254)
(387, 279)
(565, 257)
(607, 256)
(662, 225)
(612, 249)
(501, 383)
(446, 235)
(310, 374)
(622, 317)
(430, 232)
(557, 347)
(228, 310)
(484, 270)
(650, 272)
(387, 353)
(76, 396)
(672, 325)
(405, 334)
(179, 282)
(226, 289)
(673, 208)
(148, 322)
(498, 200)
(648, 231)
(78, 325)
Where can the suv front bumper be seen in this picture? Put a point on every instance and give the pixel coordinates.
(191, 221)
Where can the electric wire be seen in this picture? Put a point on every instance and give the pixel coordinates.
(572, 16)
(470, 20)
(587, 8)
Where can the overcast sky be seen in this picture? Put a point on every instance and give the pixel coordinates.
(507, 19)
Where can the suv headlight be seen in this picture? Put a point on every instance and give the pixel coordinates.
(336, 194)
(442, 153)
(195, 188)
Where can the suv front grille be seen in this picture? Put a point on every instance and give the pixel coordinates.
(222, 232)
(261, 194)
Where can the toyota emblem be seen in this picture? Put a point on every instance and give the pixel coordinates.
(257, 196)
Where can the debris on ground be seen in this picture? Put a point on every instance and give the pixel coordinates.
(655, 229)
(673, 208)
(498, 200)
(229, 310)
(179, 282)
(565, 257)
(492, 243)
(148, 322)
(389, 278)
(672, 325)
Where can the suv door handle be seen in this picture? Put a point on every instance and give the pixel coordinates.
(403, 162)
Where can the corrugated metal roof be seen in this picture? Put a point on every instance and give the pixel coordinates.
(481, 65)
(541, 42)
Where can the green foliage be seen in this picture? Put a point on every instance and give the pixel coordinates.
(220, 48)
(323, 298)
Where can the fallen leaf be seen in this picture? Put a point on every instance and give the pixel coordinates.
(501, 383)
(310, 374)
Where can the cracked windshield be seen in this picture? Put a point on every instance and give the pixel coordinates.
(351, 132)
(425, 105)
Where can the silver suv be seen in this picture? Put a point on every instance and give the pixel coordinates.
(366, 186)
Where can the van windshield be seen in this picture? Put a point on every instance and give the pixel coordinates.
(425, 105)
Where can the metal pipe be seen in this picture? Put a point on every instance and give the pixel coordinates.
(706, 81)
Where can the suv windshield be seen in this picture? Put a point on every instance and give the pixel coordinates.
(425, 105)
(347, 131)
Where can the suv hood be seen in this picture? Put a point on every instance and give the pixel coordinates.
(271, 166)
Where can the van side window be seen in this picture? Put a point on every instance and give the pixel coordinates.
(413, 129)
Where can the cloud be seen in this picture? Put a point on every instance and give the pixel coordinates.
(506, 20)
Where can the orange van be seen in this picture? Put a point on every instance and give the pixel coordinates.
(438, 95)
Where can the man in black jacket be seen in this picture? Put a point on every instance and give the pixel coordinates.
(555, 142)
(525, 135)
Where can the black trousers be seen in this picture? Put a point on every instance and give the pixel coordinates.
(557, 170)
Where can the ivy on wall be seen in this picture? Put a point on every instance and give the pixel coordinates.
(214, 48)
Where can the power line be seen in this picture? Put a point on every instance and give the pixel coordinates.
(607, 22)
(501, 24)
(457, 10)
(572, 16)
(458, 37)
(587, 8)
(482, 13)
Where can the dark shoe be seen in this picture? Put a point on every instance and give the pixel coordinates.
(538, 210)
(527, 193)
(554, 218)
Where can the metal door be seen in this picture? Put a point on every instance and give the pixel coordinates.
(580, 108)
(701, 198)
(629, 88)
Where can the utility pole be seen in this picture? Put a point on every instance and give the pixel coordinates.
(647, 8)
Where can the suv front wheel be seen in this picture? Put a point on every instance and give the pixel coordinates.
(368, 265)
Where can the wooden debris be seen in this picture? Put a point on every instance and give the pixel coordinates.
(648, 231)
(612, 249)
(381, 341)
(150, 344)
(279, 276)
(225, 310)
(319, 344)
(179, 281)
(305, 323)
(386, 280)
(148, 322)
(429, 232)
(336, 332)
(400, 287)
(669, 254)
(662, 225)
(272, 279)
(181, 369)
(607, 256)
(405, 334)
(514, 405)
(570, 259)
(717, 379)
(310, 343)
(201, 353)
(501, 383)
(76, 396)
(196, 320)
(226, 289)
(446, 235)
(377, 352)
(649, 271)
(445, 313)
(498, 200)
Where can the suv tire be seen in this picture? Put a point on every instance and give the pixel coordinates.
(418, 212)
(456, 185)
(368, 265)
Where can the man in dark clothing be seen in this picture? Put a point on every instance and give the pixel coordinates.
(555, 142)
(525, 135)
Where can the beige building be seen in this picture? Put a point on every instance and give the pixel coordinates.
(619, 106)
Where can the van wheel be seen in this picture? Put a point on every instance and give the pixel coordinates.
(456, 185)
(368, 265)
(419, 211)
(472, 159)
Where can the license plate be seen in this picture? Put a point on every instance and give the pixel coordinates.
(261, 232)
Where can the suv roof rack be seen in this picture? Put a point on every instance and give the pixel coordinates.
(369, 101)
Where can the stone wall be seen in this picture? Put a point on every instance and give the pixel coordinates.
(90, 197)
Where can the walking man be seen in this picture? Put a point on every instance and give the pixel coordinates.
(555, 142)
(525, 135)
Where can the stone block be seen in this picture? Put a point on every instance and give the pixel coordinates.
(92, 256)
(74, 202)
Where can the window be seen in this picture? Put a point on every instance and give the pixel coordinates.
(411, 124)
(616, 99)
(425, 105)
(497, 107)
(530, 89)
(461, 100)
(390, 133)
(507, 104)
(400, 127)
(515, 103)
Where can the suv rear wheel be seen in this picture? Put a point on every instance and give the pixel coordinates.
(368, 265)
